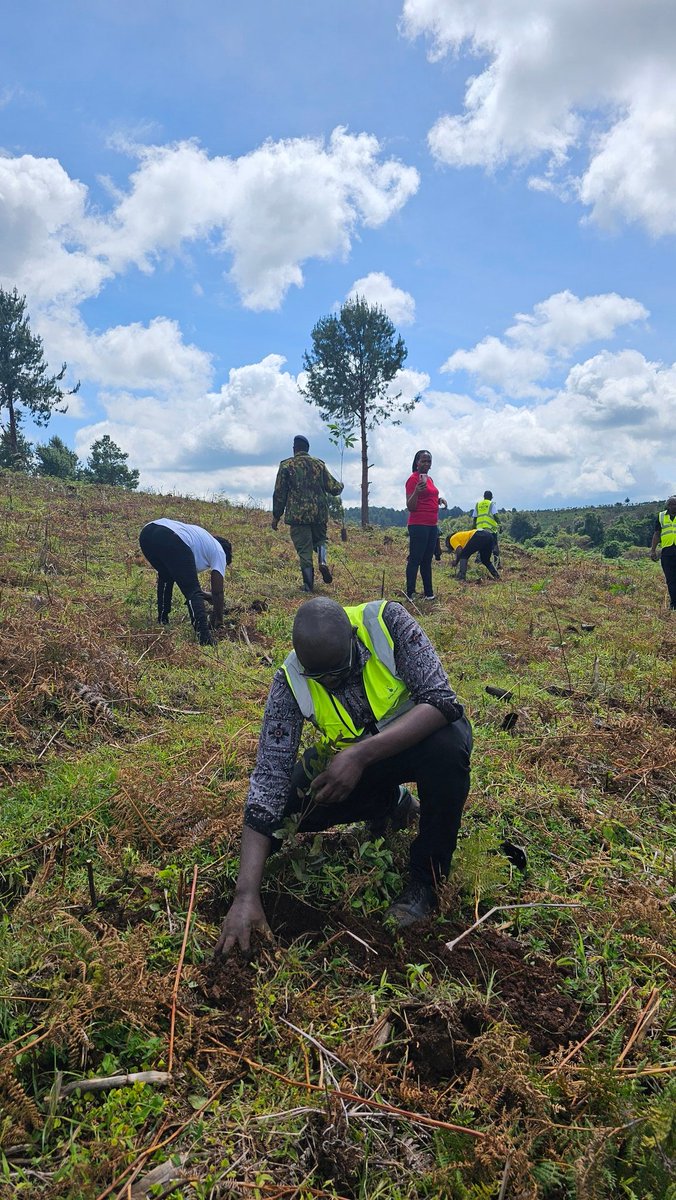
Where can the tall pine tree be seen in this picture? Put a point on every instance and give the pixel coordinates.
(354, 357)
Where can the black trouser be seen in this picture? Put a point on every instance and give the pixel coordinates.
(174, 563)
(482, 542)
(440, 768)
(668, 561)
(421, 542)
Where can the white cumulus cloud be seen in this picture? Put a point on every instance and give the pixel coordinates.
(597, 77)
(220, 437)
(378, 288)
(268, 211)
(143, 358)
(540, 341)
(599, 434)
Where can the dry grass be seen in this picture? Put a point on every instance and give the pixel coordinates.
(125, 757)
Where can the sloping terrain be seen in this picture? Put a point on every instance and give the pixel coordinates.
(532, 1058)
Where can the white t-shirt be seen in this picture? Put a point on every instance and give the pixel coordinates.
(209, 554)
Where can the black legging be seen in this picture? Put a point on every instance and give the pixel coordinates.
(174, 562)
(422, 540)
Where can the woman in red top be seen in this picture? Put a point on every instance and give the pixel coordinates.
(422, 502)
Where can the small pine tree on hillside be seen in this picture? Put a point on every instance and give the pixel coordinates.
(55, 458)
(107, 464)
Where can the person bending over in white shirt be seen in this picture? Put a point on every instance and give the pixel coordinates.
(178, 552)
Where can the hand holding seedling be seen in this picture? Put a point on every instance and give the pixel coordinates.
(338, 780)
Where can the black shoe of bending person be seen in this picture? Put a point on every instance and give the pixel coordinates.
(404, 813)
(417, 902)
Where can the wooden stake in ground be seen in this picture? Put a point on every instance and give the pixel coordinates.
(105, 1082)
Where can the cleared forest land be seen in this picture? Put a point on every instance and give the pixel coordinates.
(532, 1059)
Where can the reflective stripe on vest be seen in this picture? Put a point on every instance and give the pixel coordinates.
(386, 692)
(484, 518)
(668, 534)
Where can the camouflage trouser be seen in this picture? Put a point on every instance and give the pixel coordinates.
(307, 538)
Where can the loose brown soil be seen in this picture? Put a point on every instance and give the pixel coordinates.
(525, 991)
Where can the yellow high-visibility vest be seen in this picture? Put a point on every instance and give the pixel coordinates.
(386, 692)
(484, 517)
(461, 538)
(668, 530)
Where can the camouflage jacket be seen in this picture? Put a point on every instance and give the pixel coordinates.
(301, 488)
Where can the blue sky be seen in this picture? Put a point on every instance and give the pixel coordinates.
(186, 189)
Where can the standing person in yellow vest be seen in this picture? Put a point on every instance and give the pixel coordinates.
(485, 516)
(665, 537)
(369, 680)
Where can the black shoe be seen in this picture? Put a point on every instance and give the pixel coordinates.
(308, 574)
(163, 620)
(417, 901)
(325, 573)
(406, 810)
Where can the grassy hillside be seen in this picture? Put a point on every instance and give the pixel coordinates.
(531, 1060)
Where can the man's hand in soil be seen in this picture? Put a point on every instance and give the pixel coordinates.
(245, 916)
(246, 912)
(339, 779)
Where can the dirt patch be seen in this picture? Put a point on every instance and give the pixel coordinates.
(290, 918)
(528, 992)
(227, 986)
(440, 1038)
(367, 943)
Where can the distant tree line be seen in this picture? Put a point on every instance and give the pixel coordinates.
(588, 530)
(603, 529)
(389, 518)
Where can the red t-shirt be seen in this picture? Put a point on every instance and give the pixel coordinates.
(427, 512)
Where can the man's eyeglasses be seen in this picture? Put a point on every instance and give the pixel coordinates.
(333, 673)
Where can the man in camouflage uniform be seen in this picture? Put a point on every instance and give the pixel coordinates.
(301, 489)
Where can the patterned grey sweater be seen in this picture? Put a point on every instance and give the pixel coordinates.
(417, 664)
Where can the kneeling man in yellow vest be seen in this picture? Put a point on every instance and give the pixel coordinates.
(468, 542)
(369, 680)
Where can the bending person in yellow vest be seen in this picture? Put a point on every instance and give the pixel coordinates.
(467, 542)
(485, 516)
(664, 536)
(369, 680)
